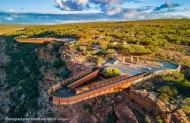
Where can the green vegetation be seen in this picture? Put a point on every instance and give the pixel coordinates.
(88, 107)
(178, 80)
(186, 105)
(157, 37)
(23, 75)
(111, 72)
(58, 63)
(166, 91)
(100, 60)
(111, 118)
(7, 29)
(23, 72)
(187, 74)
(174, 77)
(148, 119)
(156, 32)
(125, 49)
(174, 88)
(171, 91)
(159, 120)
(163, 40)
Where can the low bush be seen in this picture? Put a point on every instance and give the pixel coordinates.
(58, 63)
(170, 91)
(186, 105)
(88, 107)
(112, 72)
(174, 77)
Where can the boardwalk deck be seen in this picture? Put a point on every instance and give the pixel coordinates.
(60, 95)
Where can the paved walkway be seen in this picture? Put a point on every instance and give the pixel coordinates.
(126, 69)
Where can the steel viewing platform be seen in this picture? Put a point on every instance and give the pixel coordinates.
(80, 87)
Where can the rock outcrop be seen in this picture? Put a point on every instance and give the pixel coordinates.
(124, 114)
(151, 104)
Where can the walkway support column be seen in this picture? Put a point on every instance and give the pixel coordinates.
(123, 59)
(137, 59)
(131, 57)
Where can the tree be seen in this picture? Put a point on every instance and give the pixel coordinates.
(100, 60)
(174, 77)
(159, 119)
(58, 63)
(88, 107)
(148, 119)
(166, 91)
(186, 105)
(82, 48)
(164, 97)
(184, 87)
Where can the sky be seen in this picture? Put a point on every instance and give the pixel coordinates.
(80, 10)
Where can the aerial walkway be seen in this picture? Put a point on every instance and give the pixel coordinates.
(114, 86)
(99, 84)
(79, 78)
(70, 91)
(75, 80)
(46, 40)
(84, 79)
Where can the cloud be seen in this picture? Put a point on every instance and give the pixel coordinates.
(167, 5)
(116, 8)
(130, 13)
(82, 2)
(113, 11)
(71, 5)
(134, 1)
(134, 15)
(133, 12)
(11, 10)
(145, 8)
(109, 7)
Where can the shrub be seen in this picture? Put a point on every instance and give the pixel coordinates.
(111, 118)
(159, 120)
(184, 87)
(28, 104)
(58, 74)
(111, 72)
(88, 107)
(187, 74)
(99, 60)
(174, 77)
(148, 120)
(116, 72)
(164, 97)
(108, 72)
(170, 91)
(82, 48)
(186, 105)
(58, 63)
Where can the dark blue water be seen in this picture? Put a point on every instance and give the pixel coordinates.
(35, 18)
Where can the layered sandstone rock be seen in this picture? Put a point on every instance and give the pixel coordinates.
(151, 104)
(124, 114)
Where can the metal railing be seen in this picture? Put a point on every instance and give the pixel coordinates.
(100, 84)
(69, 80)
(98, 91)
(84, 79)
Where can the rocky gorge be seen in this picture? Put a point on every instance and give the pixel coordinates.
(128, 106)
